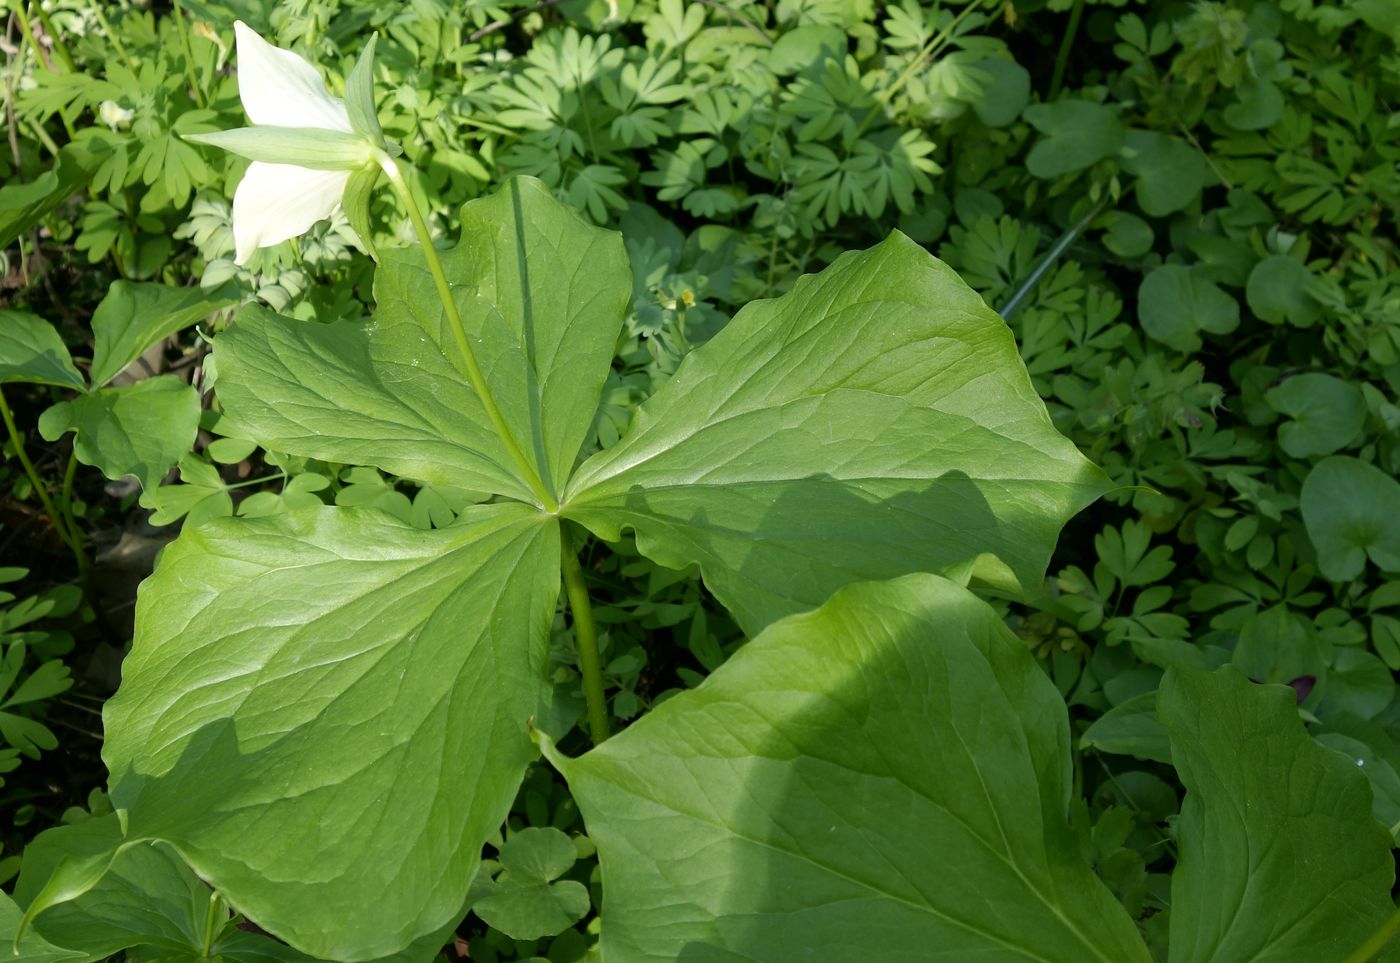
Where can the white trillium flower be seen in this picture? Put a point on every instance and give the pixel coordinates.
(275, 202)
(306, 145)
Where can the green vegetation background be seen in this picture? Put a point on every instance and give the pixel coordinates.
(1185, 211)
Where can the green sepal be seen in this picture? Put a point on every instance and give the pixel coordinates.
(355, 202)
(359, 96)
(309, 147)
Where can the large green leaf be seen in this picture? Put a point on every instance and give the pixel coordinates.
(542, 296)
(134, 316)
(560, 289)
(325, 710)
(31, 350)
(886, 778)
(140, 429)
(875, 421)
(1280, 859)
(378, 393)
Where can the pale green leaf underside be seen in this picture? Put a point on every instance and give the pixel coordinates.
(561, 287)
(31, 350)
(886, 778)
(542, 296)
(875, 421)
(327, 709)
(380, 394)
(1280, 858)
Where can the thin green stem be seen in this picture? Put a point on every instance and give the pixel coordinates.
(96, 7)
(65, 505)
(56, 519)
(532, 478)
(195, 91)
(586, 634)
(59, 47)
(485, 125)
(1376, 941)
(1014, 303)
(42, 136)
(246, 483)
(1057, 78)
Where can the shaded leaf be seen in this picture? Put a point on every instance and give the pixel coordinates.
(1280, 858)
(32, 351)
(1327, 413)
(1170, 173)
(1351, 510)
(1175, 303)
(32, 947)
(24, 205)
(1075, 135)
(524, 901)
(1130, 729)
(886, 778)
(1277, 291)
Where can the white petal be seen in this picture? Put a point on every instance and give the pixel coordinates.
(281, 89)
(276, 201)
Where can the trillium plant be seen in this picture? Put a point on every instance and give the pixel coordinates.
(327, 713)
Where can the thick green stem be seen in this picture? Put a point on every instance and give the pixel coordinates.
(70, 539)
(532, 478)
(1377, 940)
(586, 633)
